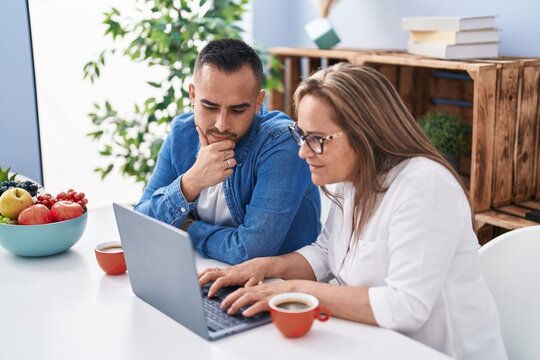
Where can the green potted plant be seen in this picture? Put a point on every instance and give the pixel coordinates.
(447, 133)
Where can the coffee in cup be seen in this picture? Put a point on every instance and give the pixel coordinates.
(293, 305)
(110, 257)
(293, 313)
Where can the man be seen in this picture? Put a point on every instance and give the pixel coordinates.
(229, 173)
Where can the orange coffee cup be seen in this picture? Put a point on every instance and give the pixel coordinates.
(293, 313)
(110, 257)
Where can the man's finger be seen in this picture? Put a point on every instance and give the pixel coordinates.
(224, 145)
(202, 138)
(230, 163)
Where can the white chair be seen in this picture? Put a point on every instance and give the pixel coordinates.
(511, 265)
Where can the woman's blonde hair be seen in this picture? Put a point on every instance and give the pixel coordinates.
(381, 130)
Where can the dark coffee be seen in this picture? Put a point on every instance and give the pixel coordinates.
(293, 305)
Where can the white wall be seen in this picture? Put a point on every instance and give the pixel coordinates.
(375, 24)
(66, 35)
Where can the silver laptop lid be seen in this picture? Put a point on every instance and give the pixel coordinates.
(161, 267)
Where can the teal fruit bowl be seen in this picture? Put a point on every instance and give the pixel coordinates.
(42, 240)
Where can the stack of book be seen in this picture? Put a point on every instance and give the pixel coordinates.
(452, 37)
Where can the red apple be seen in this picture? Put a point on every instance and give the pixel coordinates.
(35, 215)
(65, 210)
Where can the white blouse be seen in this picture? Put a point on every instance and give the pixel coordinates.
(419, 257)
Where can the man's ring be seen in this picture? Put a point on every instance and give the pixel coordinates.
(228, 163)
(217, 268)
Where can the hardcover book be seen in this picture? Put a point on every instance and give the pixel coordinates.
(456, 37)
(445, 51)
(456, 23)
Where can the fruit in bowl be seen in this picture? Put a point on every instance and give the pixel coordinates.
(10, 180)
(36, 214)
(13, 201)
(65, 210)
(40, 225)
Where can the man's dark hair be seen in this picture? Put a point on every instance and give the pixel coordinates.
(230, 55)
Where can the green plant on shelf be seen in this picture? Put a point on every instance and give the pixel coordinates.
(447, 133)
(167, 34)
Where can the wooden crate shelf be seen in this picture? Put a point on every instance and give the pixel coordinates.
(498, 98)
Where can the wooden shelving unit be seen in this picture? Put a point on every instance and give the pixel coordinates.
(498, 98)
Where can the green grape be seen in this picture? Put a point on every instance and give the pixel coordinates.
(6, 220)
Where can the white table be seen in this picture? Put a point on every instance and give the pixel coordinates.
(64, 307)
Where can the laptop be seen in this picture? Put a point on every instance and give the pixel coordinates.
(162, 272)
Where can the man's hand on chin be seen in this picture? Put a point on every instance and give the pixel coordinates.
(215, 162)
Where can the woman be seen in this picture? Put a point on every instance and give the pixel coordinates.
(399, 237)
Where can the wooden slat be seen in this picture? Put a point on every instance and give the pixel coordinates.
(505, 126)
(422, 85)
(465, 165)
(406, 86)
(315, 53)
(514, 210)
(399, 58)
(526, 149)
(502, 220)
(292, 79)
(451, 88)
(485, 234)
(276, 98)
(533, 205)
(313, 65)
(390, 72)
(482, 142)
(358, 56)
(531, 75)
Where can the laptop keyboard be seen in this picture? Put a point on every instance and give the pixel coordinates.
(216, 318)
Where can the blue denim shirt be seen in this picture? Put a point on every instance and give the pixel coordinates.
(270, 195)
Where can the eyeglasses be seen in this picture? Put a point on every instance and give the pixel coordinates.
(314, 142)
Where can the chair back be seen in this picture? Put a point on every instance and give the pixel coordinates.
(511, 266)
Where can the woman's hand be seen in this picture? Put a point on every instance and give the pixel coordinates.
(247, 274)
(256, 296)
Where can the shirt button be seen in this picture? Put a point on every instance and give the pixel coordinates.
(183, 210)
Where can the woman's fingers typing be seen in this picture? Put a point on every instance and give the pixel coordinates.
(247, 296)
(256, 308)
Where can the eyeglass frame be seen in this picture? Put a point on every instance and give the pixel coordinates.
(300, 138)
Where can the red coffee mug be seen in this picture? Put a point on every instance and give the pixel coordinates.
(110, 257)
(293, 313)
